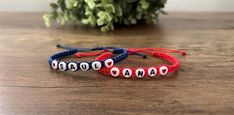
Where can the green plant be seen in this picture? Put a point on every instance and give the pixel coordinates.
(104, 13)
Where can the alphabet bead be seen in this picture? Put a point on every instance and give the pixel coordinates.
(96, 65)
(72, 66)
(84, 66)
(127, 73)
(62, 66)
(140, 73)
(152, 72)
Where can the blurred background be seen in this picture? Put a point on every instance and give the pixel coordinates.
(172, 5)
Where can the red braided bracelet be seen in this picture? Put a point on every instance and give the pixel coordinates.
(152, 71)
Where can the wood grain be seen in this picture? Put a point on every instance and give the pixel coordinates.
(204, 84)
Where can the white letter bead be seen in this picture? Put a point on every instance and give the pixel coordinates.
(62, 66)
(84, 66)
(163, 70)
(96, 65)
(72, 66)
(140, 73)
(152, 72)
(127, 73)
(114, 72)
(109, 63)
(54, 64)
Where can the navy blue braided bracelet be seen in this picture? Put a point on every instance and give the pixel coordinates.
(57, 64)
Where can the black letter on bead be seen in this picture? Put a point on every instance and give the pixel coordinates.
(152, 72)
(72, 67)
(84, 66)
(61, 66)
(127, 73)
(140, 73)
(95, 66)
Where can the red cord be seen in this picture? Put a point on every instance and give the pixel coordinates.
(139, 72)
(80, 55)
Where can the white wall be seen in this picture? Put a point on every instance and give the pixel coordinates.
(173, 5)
(23, 5)
(201, 5)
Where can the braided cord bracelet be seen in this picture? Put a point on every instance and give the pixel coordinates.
(152, 71)
(55, 63)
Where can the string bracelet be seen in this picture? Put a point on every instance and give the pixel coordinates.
(56, 64)
(139, 72)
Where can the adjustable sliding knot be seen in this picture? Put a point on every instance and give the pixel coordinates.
(184, 53)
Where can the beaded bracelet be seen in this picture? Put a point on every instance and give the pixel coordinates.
(55, 63)
(141, 72)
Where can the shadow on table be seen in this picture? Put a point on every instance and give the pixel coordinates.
(75, 76)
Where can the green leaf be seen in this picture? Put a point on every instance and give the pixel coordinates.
(90, 3)
(104, 16)
(62, 5)
(110, 8)
(100, 22)
(54, 6)
(71, 4)
(85, 21)
(118, 10)
(47, 20)
(144, 4)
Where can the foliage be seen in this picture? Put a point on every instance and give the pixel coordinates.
(104, 13)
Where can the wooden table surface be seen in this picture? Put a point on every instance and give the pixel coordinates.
(203, 85)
